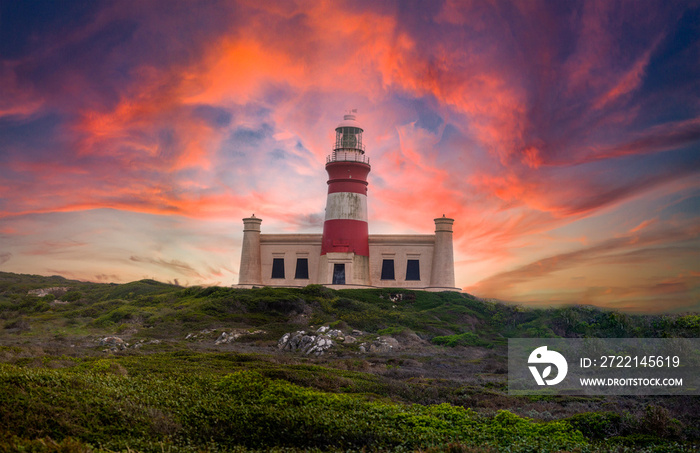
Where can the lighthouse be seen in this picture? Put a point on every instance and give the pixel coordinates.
(345, 254)
(345, 239)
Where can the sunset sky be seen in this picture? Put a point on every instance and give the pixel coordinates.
(563, 137)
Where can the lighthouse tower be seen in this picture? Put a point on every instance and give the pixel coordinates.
(345, 241)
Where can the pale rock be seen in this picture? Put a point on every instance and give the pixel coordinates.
(46, 291)
(113, 344)
(305, 343)
(384, 344)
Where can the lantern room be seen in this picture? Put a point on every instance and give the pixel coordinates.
(348, 135)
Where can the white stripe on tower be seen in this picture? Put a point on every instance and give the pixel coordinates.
(346, 205)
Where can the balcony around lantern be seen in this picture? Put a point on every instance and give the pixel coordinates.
(347, 156)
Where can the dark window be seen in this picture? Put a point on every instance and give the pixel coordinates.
(413, 270)
(388, 270)
(338, 274)
(302, 271)
(278, 268)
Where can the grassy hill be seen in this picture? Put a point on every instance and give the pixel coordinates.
(442, 388)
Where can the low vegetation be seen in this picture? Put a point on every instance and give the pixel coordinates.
(443, 390)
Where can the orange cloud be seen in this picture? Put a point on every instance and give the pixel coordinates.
(606, 263)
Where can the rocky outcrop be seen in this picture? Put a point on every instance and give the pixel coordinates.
(55, 290)
(200, 335)
(381, 345)
(223, 338)
(142, 343)
(116, 344)
(230, 337)
(318, 342)
(310, 343)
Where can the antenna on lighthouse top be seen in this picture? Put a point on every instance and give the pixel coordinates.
(350, 114)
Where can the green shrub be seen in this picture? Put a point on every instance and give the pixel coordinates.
(462, 339)
(345, 304)
(391, 331)
(284, 306)
(657, 421)
(222, 306)
(597, 425)
(690, 322)
(21, 324)
(71, 296)
(12, 443)
(117, 316)
(318, 291)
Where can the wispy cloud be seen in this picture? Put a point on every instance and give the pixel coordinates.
(173, 265)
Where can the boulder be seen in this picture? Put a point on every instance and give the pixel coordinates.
(143, 343)
(384, 344)
(381, 345)
(113, 344)
(306, 343)
(226, 338)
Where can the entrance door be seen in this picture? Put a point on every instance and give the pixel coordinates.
(338, 274)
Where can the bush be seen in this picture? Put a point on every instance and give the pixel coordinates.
(117, 316)
(223, 306)
(391, 331)
(12, 443)
(658, 422)
(21, 324)
(284, 306)
(318, 291)
(71, 296)
(463, 339)
(597, 425)
(345, 304)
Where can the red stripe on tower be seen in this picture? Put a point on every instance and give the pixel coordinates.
(345, 228)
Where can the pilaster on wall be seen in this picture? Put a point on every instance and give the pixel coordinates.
(250, 271)
(442, 276)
